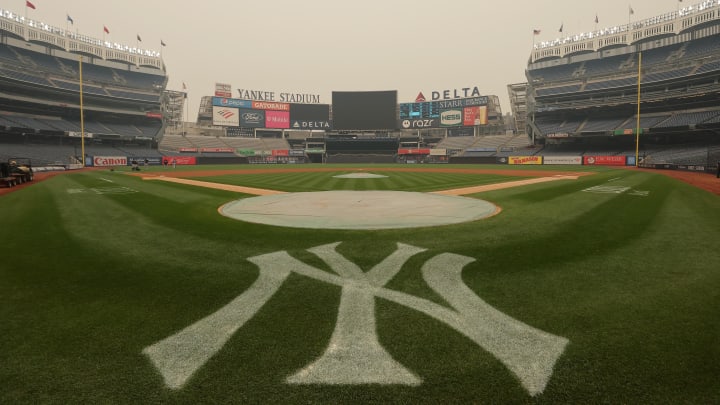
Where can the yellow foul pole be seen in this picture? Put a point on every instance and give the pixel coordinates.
(637, 126)
(82, 116)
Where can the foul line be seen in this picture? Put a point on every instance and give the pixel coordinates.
(500, 186)
(217, 186)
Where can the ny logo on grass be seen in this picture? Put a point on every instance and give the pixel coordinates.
(354, 354)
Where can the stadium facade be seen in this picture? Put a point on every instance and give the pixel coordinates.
(582, 90)
(123, 91)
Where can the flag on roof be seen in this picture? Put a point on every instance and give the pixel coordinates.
(561, 27)
(28, 4)
(70, 19)
(107, 31)
(138, 38)
(162, 43)
(536, 32)
(631, 10)
(596, 19)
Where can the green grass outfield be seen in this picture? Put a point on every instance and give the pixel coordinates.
(96, 266)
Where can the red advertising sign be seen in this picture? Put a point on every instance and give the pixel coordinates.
(154, 115)
(270, 105)
(409, 151)
(525, 160)
(223, 90)
(277, 119)
(475, 115)
(103, 161)
(180, 160)
(280, 152)
(192, 150)
(604, 160)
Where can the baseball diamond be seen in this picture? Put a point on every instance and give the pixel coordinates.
(356, 203)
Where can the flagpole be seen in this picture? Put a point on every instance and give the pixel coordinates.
(637, 126)
(82, 115)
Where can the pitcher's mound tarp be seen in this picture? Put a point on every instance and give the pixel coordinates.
(358, 209)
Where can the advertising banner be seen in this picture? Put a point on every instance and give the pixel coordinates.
(245, 152)
(281, 152)
(419, 123)
(438, 152)
(252, 118)
(223, 90)
(217, 150)
(231, 102)
(181, 160)
(105, 161)
(225, 116)
(296, 152)
(562, 160)
(605, 160)
(411, 151)
(191, 150)
(525, 160)
(277, 119)
(451, 118)
(271, 105)
(462, 102)
(475, 116)
(309, 125)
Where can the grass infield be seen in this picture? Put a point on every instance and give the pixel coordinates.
(96, 266)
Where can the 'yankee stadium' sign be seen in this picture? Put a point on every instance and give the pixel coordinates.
(262, 95)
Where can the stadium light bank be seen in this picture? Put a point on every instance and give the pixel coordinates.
(41, 26)
(631, 27)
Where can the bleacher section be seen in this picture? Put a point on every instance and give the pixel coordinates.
(60, 73)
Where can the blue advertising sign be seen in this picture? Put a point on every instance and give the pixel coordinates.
(231, 102)
(252, 118)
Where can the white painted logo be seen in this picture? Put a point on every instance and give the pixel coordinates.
(616, 190)
(354, 354)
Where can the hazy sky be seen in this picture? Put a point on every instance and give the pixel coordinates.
(317, 46)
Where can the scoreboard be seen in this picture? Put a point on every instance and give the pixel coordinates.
(427, 109)
(433, 109)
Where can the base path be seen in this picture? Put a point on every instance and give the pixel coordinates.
(217, 186)
(500, 186)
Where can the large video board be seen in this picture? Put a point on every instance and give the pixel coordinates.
(444, 113)
(364, 110)
(433, 109)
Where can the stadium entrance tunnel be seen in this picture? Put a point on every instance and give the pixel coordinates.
(361, 210)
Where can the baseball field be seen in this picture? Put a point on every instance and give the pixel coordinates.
(592, 285)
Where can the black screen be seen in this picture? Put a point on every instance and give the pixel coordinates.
(364, 110)
(310, 112)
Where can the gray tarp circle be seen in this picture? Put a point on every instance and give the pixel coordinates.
(358, 209)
